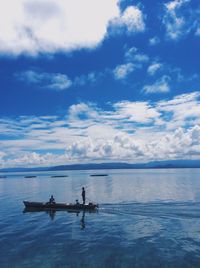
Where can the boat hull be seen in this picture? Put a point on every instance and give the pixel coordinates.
(58, 206)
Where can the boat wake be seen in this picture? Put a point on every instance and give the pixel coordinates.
(169, 210)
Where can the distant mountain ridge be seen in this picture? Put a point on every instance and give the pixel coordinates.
(120, 165)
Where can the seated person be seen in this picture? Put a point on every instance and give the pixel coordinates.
(77, 203)
(52, 200)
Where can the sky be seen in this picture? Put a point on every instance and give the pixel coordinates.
(90, 81)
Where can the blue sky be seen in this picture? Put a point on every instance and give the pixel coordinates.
(99, 81)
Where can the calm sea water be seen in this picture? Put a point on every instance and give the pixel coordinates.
(147, 218)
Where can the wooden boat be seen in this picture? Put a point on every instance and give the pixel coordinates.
(59, 206)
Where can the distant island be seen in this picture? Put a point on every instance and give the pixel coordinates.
(120, 165)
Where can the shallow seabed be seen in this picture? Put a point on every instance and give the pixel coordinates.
(147, 218)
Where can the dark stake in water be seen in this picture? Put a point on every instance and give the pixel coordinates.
(146, 218)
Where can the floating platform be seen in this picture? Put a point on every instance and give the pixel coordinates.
(59, 176)
(99, 175)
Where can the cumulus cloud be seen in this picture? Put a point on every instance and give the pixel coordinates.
(54, 81)
(197, 31)
(174, 145)
(133, 55)
(140, 112)
(106, 149)
(49, 26)
(57, 81)
(179, 19)
(160, 86)
(82, 111)
(90, 78)
(133, 60)
(153, 68)
(188, 103)
(122, 71)
(154, 41)
(131, 20)
(174, 24)
(31, 159)
(125, 131)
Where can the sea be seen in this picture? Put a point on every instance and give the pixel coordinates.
(146, 218)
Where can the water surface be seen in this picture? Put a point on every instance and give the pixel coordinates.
(147, 218)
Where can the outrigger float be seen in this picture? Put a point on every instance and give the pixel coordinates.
(40, 206)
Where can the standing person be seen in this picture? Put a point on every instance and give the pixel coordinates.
(83, 195)
(52, 200)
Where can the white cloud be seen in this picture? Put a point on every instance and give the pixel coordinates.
(173, 5)
(133, 61)
(60, 82)
(140, 112)
(57, 81)
(154, 41)
(132, 20)
(153, 68)
(179, 19)
(188, 103)
(37, 26)
(48, 26)
(122, 71)
(82, 110)
(132, 55)
(160, 86)
(54, 81)
(197, 31)
(31, 159)
(141, 58)
(89, 78)
(181, 99)
(126, 131)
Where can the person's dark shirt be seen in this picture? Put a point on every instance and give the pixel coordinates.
(83, 193)
(52, 200)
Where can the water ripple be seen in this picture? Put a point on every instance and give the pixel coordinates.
(144, 220)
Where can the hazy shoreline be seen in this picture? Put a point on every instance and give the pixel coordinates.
(103, 166)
